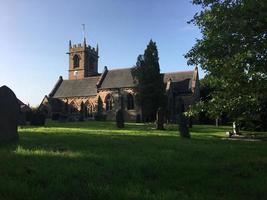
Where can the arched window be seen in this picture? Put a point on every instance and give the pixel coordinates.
(130, 102)
(76, 61)
(88, 109)
(108, 102)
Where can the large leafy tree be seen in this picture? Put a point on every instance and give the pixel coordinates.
(150, 85)
(233, 52)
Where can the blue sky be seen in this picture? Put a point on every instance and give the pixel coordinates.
(35, 34)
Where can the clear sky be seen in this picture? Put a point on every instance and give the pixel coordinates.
(35, 34)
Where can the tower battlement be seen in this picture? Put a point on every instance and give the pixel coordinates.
(83, 47)
(83, 60)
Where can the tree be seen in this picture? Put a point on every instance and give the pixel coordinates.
(205, 111)
(151, 93)
(233, 52)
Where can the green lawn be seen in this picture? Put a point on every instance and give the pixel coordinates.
(95, 160)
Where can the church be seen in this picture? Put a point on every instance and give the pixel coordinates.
(94, 94)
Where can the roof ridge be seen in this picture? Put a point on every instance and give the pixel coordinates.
(91, 77)
(178, 72)
(119, 69)
(85, 78)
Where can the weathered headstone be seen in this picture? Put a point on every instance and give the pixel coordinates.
(160, 119)
(119, 119)
(9, 115)
(183, 128)
(235, 128)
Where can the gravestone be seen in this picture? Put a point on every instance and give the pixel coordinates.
(183, 128)
(235, 128)
(119, 119)
(9, 115)
(160, 119)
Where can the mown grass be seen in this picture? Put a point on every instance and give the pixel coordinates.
(95, 160)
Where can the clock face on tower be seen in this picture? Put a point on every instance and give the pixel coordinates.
(75, 74)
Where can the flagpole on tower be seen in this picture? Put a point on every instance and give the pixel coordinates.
(84, 40)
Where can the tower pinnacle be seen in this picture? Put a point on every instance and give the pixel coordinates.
(83, 25)
(84, 41)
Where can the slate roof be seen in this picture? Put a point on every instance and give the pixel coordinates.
(118, 78)
(23, 106)
(181, 81)
(77, 88)
(183, 86)
(178, 76)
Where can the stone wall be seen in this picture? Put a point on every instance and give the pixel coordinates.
(119, 101)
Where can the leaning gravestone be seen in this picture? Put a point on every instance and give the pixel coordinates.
(9, 115)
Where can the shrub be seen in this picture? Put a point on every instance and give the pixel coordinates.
(55, 116)
(100, 117)
(29, 116)
(63, 118)
(37, 119)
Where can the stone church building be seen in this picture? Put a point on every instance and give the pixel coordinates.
(92, 93)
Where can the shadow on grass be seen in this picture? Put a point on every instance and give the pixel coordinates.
(79, 165)
(107, 128)
(96, 126)
(60, 166)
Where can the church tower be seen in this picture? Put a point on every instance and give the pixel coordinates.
(83, 61)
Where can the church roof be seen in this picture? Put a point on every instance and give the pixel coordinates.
(183, 86)
(23, 106)
(77, 88)
(182, 82)
(118, 78)
(178, 76)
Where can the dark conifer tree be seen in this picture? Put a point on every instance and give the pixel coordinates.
(151, 93)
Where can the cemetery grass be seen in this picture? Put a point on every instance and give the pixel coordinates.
(96, 160)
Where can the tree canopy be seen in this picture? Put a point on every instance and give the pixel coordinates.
(233, 52)
(150, 85)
